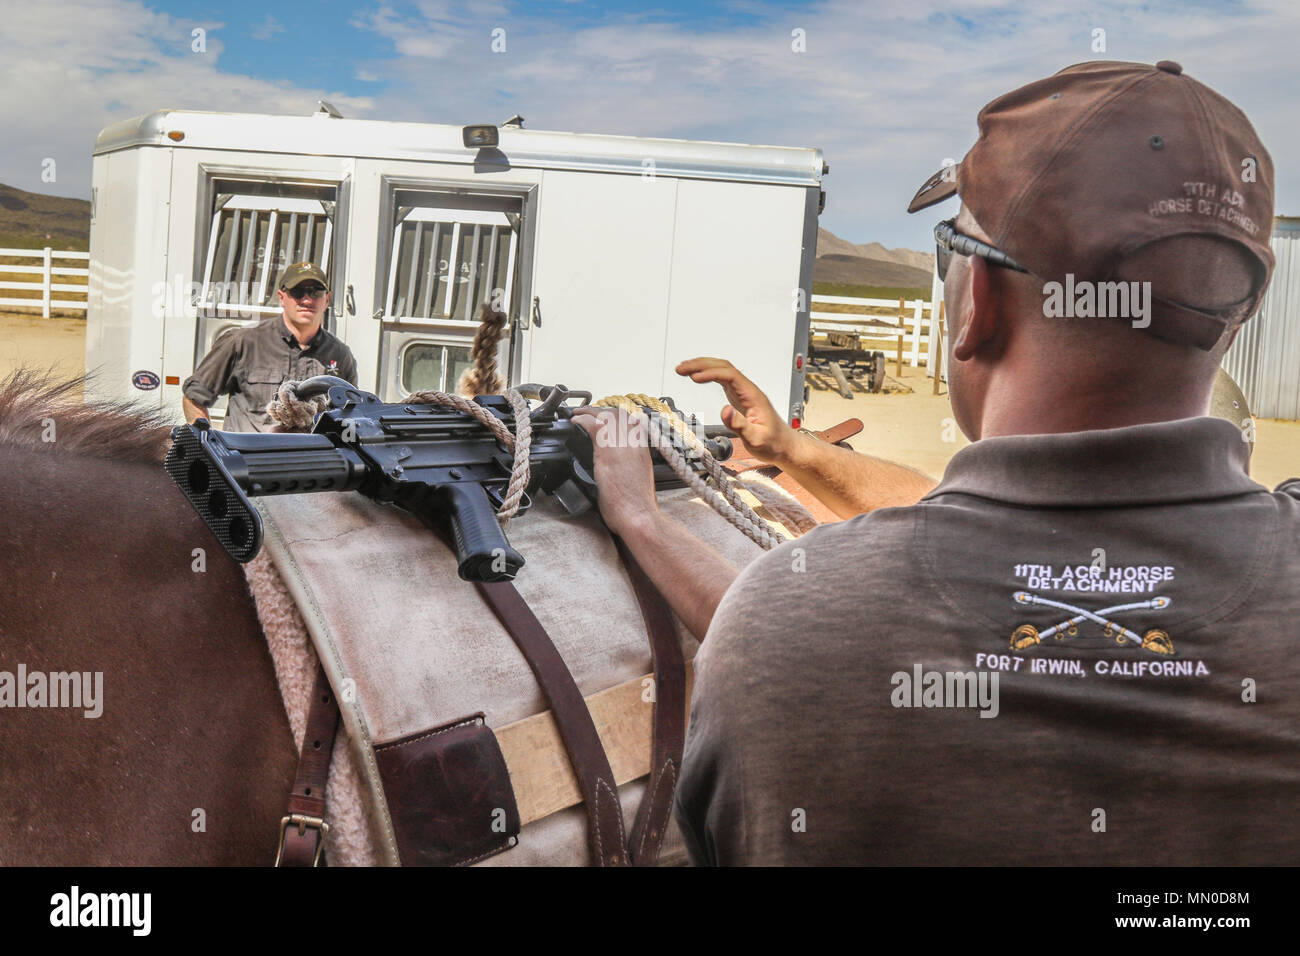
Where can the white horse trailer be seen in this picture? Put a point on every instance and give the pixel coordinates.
(615, 257)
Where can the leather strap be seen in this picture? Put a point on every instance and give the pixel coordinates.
(303, 829)
(605, 832)
(669, 716)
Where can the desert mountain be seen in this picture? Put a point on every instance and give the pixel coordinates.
(841, 261)
(34, 220)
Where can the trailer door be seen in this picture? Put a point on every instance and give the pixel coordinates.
(447, 255)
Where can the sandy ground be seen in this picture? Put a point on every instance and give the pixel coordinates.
(916, 429)
(30, 340)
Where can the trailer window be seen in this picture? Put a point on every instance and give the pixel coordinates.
(446, 261)
(253, 237)
(432, 367)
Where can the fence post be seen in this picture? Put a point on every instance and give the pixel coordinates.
(45, 291)
(938, 351)
(902, 328)
(916, 333)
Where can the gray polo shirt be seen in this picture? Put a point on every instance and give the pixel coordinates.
(249, 364)
(1135, 595)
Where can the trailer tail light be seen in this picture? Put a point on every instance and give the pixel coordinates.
(796, 423)
(798, 362)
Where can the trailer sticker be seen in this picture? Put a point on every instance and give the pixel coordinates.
(146, 381)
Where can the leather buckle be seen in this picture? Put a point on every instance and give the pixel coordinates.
(303, 822)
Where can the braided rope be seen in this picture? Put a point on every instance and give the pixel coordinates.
(519, 473)
(291, 412)
(722, 496)
(784, 507)
(724, 481)
(469, 407)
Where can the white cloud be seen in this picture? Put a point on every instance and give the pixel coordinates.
(888, 90)
(62, 85)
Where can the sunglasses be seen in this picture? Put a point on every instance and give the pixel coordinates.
(306, 292)
(947, 240)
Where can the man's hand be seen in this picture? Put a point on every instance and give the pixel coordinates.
(624, 475)
(193, 410)
(690, 575)
(750, 415)
(846, 482)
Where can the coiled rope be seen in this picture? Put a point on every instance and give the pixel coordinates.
(723, 496)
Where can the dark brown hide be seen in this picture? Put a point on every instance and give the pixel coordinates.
(96, 559)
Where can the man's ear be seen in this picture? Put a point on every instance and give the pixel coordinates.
(981, 323)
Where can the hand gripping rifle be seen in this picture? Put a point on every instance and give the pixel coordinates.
(438, 463)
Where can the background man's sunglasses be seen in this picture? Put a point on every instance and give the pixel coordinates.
(947, 240)
(306, 292)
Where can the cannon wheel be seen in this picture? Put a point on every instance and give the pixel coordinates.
(877, 374)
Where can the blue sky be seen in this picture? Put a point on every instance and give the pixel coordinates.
(889, 89)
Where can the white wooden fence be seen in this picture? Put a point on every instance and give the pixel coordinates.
(914, 319)
(47, 268)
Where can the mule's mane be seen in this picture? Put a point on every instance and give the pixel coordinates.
(39, 411)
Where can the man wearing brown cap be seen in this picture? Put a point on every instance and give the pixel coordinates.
(1080, 647)
(249, 364)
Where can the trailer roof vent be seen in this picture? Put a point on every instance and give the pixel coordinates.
(515, 122)
(328, 109)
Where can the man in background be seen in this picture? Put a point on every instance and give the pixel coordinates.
(250, 364)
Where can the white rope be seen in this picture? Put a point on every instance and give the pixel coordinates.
(723, 496)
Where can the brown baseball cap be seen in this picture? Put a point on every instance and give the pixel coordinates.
(300, 272)
(1075, 172)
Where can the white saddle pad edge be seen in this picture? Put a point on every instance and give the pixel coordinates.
(358, 734)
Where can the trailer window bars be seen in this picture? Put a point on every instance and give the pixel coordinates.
(445, 262)
(251, 240)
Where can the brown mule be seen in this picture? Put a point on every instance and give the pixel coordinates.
(192, 756)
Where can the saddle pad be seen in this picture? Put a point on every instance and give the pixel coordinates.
(408, 646)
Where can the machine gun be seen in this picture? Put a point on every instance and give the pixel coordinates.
(438, 463)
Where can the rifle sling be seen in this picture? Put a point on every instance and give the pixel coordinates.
(605, 833)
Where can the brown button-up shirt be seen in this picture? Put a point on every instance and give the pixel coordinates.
(249, 364)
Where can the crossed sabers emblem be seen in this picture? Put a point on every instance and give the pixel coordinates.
(1155, 640)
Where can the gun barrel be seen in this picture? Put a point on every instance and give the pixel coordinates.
(218, 471)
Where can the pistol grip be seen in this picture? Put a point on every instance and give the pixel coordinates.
(482, 551)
